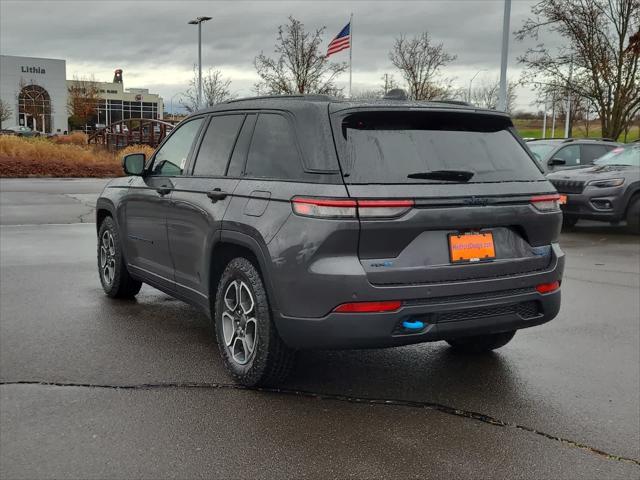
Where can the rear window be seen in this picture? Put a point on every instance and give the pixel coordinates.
(540, 150)
(387, 147)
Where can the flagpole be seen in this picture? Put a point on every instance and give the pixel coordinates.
(350, 51)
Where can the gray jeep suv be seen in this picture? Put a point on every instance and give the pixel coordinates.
(309, 222)
(608, 191)
(556, 154)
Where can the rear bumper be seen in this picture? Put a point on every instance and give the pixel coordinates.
(487, 306)
(442, 321)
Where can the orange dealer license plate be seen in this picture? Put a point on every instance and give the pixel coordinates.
(471, 247)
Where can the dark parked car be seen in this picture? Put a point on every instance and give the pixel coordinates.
(559, 154)
(309, 222)
(608, 191)
(21, 131)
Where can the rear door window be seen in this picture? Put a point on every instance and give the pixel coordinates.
(217, 145)
(273, 152)
(388, 147)
(592, 152)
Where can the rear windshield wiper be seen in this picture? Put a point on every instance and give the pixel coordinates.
(446, 175)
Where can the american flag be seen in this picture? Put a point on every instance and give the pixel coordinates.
(341, 42)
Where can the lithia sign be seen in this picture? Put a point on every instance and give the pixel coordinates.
(25, 69)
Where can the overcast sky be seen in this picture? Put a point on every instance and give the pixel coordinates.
(152, 42)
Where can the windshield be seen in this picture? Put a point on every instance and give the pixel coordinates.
(410, 147)
(540, 150)
(621, 156)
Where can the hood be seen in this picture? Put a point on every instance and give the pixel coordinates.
(594, 172)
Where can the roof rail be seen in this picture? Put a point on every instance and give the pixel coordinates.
(548, 138)
(595, 139)
(311, 98)
(454, 102)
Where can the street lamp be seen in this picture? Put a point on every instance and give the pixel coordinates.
(471, 81)
(173, 115)
(506, 19)
(198, 21)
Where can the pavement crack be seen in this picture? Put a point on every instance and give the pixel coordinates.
(468, 414)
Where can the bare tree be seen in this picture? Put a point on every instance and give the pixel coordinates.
(599, 60)
(366, 94)
(82, 100)
(388, 83)
(5, 112)
(487, 95)
(555, 96)
(215, 89)
(420, 61)
(300, 65)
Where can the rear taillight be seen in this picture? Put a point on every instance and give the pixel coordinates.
(548, 287)
(546, 203)
(349, 208)
(324, 207)
(368, 307)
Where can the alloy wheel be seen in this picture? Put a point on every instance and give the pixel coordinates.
(107, 257)
(239, 325)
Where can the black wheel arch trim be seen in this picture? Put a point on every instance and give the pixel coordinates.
(105, 204)
(259, 250)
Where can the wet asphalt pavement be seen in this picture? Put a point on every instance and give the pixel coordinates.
(97, 388)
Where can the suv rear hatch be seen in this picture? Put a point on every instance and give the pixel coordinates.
(444, 195)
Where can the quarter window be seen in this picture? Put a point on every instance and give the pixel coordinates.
(273, 152)
(172, 156)
(217, 145)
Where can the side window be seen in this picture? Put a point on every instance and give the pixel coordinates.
(273, 152)
(570, 154)
(172, 156)
(217, 145)
(593, 152)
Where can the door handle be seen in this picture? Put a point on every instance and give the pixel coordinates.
(163, 191)
(217, 194)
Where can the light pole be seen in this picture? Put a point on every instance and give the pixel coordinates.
(502, 99)
(471, 82)
(173, 115)
(198, 21)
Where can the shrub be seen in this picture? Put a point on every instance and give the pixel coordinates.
(21, 157)
(75, 138)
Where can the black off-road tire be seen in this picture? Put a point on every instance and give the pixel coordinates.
(633, 215)
(569, 222)
(271, 360)
(119, 284)
(481, 343)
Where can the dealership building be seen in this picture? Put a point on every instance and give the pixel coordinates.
(36, 91)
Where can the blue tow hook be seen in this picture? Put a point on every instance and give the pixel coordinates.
(414, 325)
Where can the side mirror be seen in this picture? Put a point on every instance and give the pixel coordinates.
(133, 164)
(556, 161)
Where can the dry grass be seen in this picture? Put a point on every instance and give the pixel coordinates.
(75, 138)
(21, 157)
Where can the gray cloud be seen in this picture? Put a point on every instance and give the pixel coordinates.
(151, 39)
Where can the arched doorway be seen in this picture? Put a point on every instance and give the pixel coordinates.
(34, 108)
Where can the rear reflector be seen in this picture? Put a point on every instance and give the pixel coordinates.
(368, 307)
(546, 203)
(383, 208)
(349, 208)
(548, 287)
